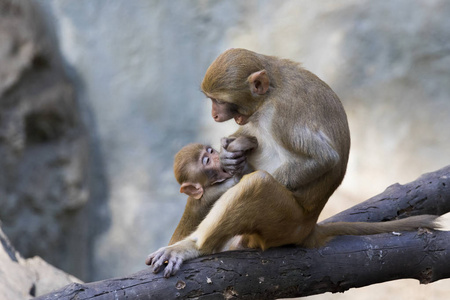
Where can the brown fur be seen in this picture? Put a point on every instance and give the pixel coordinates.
(188, 168)
(194, 212)
(304, 143)
(325, 232)
(183, 162)
(308, 121)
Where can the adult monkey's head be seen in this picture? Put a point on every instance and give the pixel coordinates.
(236, 82)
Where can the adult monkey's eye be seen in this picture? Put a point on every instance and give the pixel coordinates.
(205, 160)
(218, 101)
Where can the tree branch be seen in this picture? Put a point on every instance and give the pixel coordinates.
(346, 262)
(429, 194)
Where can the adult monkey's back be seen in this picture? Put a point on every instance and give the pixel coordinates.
(304, 142)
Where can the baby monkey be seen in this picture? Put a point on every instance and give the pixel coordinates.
(198, 170)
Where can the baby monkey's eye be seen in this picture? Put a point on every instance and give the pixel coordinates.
(205, 160)
(210, 150)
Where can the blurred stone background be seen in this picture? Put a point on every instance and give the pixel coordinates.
(97, 96)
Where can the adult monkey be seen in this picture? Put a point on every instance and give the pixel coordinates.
(304, 142)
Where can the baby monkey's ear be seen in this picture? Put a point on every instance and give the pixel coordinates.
(192, 189)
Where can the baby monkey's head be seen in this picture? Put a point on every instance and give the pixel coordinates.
(197, 167)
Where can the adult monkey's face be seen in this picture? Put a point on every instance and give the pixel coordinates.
(236, 83)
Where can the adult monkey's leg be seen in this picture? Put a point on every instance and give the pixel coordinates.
(259, 205)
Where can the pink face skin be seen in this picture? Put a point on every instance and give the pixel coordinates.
(209, 159)
(221, 111)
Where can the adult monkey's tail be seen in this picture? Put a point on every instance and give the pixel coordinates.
(325, 232)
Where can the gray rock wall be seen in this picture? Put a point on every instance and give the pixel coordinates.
(137, 66)
(44, 149)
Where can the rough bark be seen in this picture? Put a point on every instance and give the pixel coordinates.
(290, 271)
(429, 194)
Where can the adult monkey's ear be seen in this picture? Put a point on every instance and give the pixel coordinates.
(259, 82)
(191, 189)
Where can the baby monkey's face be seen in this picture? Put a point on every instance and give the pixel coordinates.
(209, 163)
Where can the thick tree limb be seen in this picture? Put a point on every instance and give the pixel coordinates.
(285, 272)
(429, 194)
(344, 263)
